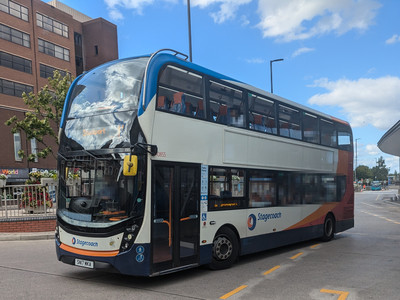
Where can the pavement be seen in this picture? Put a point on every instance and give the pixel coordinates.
(26, 236)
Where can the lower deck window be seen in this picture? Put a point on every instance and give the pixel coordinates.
(231, 188)
(226, 189)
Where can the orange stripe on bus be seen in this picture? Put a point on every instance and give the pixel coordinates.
(340, 121)
(89, 252)
(320, 212)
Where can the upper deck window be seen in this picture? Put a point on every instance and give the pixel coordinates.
(226, 105)
(328, 133)
(310, 128)
(261, 114)
(181, 92)
(345, 139)
(289, 122)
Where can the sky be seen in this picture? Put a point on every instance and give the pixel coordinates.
(341, 57)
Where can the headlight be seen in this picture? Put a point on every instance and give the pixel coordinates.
(129, 237)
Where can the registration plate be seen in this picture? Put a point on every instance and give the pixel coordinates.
(84, 263)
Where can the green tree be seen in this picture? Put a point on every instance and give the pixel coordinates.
(42, 120)
(363, 172)
(380, 171)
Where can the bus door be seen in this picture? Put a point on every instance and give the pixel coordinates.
(175, 222)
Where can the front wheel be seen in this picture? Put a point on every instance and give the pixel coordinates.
(225, 249)
(329, 228)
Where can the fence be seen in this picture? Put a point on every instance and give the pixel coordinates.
(28, 201)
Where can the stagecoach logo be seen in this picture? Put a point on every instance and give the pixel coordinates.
(84, 243)
(251, 222)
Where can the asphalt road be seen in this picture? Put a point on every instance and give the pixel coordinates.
(362, 263)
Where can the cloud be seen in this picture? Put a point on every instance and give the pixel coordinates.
(226, 10)
(256, 61)
(302, 51)
(288, 20)
(244, 20)
(114, 6)
(372, 149)
(364, 101)
(394, 39)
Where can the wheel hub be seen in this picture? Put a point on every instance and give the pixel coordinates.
(222, 248)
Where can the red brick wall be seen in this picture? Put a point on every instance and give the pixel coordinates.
(28, 225)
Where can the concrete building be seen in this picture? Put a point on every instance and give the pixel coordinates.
(35, 39)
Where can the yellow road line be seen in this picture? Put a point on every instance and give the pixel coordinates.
(343, 295)
(314, 246)
(297, 255)
(381, 217)
(271, 270)
(237, 290)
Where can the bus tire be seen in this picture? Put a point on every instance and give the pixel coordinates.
(329, 228)
(225, 249)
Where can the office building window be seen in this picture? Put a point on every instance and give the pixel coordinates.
(53, 50)
(13, 88)
(34, 149)
(51, 25)
(14, 36)
(17, 146)
(47, 71)
(15, 62)
(14, 9)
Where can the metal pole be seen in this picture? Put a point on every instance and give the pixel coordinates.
(190, 31)
(355, 170)
(270, 68)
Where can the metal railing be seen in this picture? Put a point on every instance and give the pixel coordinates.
(28, 201)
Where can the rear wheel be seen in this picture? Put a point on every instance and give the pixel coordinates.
(329, 228)
(225, 249)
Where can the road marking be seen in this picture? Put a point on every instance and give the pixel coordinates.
(235, 291)
(271, 270)
(297, 255)
(375, 206)
(378, 216)
(314, 246)
(343, 295)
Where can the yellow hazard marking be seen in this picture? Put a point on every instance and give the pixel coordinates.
(342, 295)
(237, 290)
(271, 270)
(314, 246)
(297, 255)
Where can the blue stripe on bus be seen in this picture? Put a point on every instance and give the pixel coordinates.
(159, 61)
(278, 239)
(125, 263)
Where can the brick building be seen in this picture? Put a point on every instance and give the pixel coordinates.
(36, 38)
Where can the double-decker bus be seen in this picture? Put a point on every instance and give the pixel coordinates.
(165, 165)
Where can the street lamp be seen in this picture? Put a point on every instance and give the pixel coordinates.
(355, 170)
(190, 31)
(270, 68)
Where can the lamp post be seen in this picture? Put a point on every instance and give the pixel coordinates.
(355, 170)
(190, 31)
(270, 68)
